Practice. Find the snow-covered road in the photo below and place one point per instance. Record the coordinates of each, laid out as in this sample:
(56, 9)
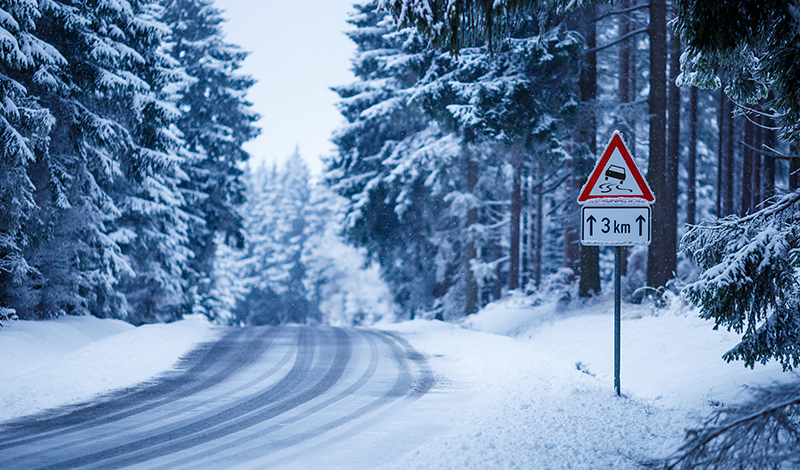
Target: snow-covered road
(260, 397)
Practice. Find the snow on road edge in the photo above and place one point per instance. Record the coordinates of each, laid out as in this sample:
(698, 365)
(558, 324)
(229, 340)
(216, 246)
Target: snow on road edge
(47, 364)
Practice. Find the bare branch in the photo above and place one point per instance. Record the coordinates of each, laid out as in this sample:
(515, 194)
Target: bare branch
(616, 41)
(622, 12)
(770, 152)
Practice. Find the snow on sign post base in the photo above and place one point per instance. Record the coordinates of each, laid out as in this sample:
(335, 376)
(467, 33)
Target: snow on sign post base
(615, 211)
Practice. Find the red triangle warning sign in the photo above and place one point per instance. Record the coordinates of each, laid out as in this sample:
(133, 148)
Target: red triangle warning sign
(616, 176)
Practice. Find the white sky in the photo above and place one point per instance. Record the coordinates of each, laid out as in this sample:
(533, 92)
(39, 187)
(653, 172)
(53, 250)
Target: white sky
(298, 51)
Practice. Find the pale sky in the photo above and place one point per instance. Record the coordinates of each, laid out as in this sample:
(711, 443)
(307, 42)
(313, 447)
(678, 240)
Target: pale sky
(298, 51)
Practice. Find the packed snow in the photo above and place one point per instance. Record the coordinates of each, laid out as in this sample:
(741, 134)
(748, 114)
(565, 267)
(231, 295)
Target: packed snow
(518, 385)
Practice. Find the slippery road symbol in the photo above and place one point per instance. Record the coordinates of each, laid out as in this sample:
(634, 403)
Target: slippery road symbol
(617, 175)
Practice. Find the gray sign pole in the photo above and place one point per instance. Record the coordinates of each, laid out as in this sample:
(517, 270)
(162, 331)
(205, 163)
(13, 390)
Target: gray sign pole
(617, 326)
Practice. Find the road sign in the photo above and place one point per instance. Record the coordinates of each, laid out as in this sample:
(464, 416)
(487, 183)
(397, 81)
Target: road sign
(615, 225)
(615, 210)
(616, 177)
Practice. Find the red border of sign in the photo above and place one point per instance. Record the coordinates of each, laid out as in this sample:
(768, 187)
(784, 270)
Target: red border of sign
(616, 143)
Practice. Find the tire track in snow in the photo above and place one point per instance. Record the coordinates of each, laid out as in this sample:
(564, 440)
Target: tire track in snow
(267, 404)
(200, 370)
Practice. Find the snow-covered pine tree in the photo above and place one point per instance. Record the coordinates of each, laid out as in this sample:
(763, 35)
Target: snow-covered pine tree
(261, 216)
(215, 121)
(154, 206)
(24, 130)
(296, 266)
(229, 287)
(518, 123)
(114, 155)
(427, 187)
(75, 246)
(340, 281)
(388, 221)
(288, 270)
(749, 280)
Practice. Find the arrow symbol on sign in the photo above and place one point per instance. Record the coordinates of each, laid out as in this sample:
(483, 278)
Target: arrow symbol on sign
(641, 221)
(591, 221)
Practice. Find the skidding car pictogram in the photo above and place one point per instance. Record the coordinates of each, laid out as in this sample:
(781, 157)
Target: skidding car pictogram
(616, 172)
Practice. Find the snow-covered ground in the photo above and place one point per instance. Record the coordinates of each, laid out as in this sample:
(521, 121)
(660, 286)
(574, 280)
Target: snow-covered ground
(518, 386)
(539, 382)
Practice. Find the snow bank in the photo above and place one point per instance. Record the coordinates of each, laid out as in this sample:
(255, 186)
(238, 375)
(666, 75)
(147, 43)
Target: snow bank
(70, 359)
(540, 385)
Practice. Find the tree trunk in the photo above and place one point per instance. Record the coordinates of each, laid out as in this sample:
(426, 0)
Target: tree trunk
(728, 206)
(590, 255)
(794, 169)
(691, 162)
(471, 286)
(757, 166)
(539, 234)
(626, 92)
(670, 206)
(748, 174)
(721, 160)
(768, 161)
(516, 209)
(661, 254)
(725, 157)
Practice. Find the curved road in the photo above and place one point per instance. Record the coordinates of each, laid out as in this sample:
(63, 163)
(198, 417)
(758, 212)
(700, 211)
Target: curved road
(257, 398)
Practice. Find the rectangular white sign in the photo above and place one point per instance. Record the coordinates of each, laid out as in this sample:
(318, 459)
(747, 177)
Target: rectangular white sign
(615, 225)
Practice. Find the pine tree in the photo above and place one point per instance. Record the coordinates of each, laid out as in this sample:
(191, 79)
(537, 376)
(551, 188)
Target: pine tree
(215, 121)
(748, 282)
(24, 130)
(384, 218)
(76, 250)
(116, 220)
(431, 196)
(296, 266)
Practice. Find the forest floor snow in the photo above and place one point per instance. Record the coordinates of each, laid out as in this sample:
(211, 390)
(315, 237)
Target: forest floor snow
(518, 385)
(540, 385)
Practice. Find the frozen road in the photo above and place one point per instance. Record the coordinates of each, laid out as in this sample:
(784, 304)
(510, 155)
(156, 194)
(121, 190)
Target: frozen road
(260, 397)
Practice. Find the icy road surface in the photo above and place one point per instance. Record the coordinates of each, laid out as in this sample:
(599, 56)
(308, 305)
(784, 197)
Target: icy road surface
(260, 397)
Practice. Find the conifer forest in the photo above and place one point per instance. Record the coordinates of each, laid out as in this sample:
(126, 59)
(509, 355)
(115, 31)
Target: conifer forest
(467, 134)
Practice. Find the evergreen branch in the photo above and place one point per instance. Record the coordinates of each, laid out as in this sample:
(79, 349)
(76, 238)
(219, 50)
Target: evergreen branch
(747, 109)
(750, 423)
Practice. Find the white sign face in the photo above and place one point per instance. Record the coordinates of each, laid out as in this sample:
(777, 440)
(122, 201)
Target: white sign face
(615, 225)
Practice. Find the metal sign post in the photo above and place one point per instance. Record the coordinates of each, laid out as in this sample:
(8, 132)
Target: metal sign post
(617, 315)
(615, 211)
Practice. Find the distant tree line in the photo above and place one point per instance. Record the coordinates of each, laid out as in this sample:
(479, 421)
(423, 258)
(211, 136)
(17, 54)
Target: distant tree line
(295, 266)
